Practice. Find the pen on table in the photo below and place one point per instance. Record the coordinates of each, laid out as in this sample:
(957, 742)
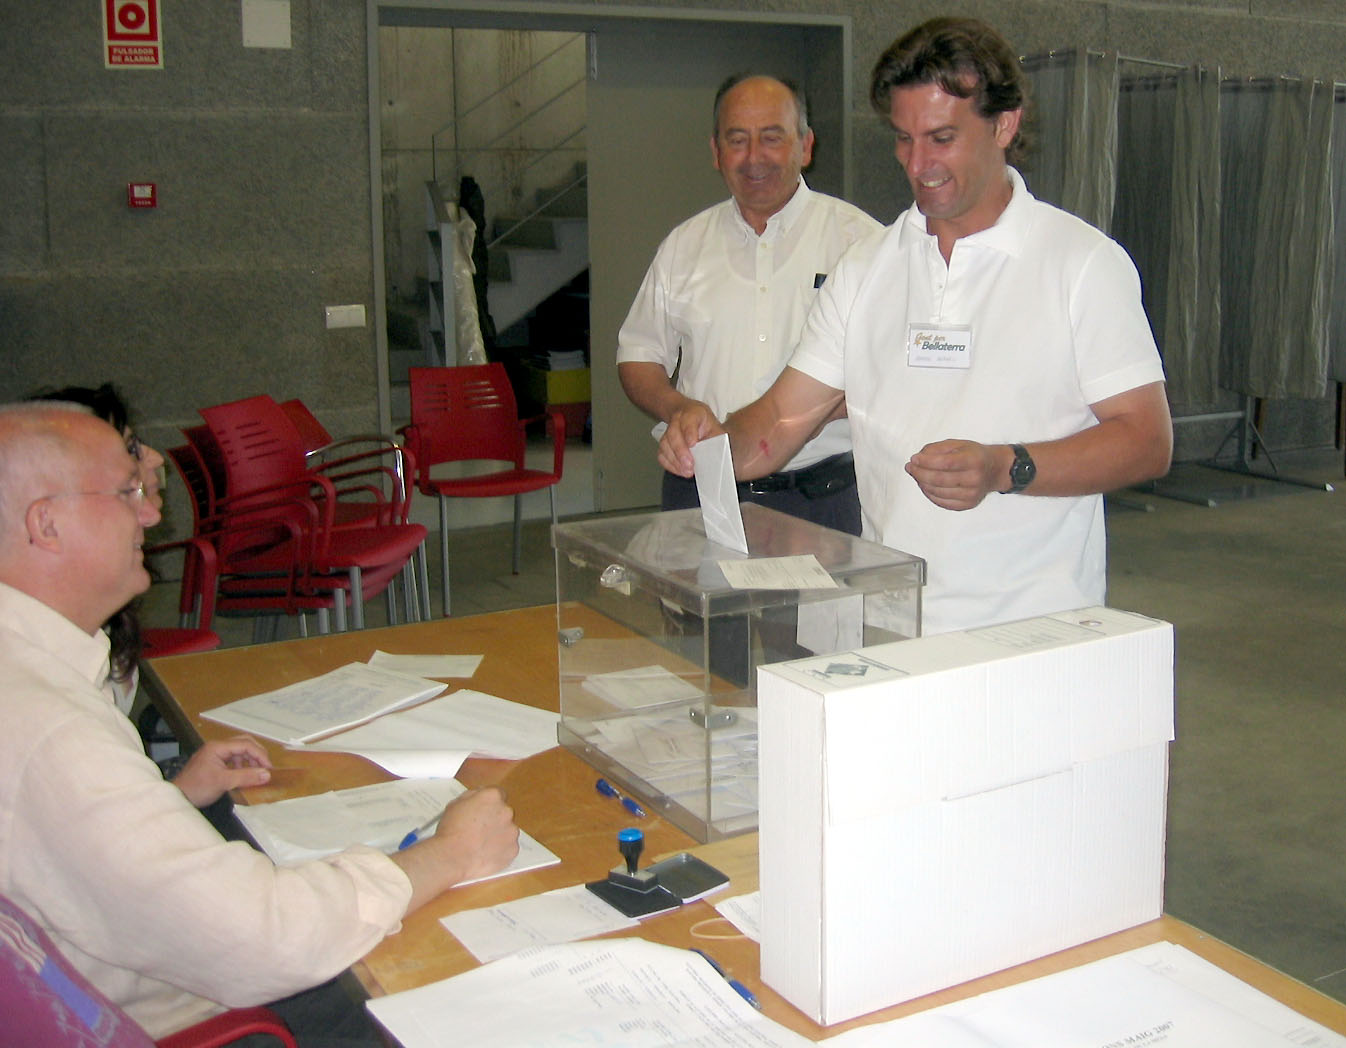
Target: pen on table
(608, 790)
(734, 984)
(420, 831)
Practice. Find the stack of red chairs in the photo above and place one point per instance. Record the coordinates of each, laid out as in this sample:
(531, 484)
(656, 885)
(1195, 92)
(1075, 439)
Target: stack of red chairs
(296, 527)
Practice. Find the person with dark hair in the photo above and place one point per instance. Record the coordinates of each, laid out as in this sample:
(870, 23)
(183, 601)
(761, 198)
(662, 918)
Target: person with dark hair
(991, 351)
(725, 298)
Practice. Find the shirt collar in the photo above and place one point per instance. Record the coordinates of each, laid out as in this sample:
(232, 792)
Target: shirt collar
(778, 225)
(51, 632)
(1006, 234)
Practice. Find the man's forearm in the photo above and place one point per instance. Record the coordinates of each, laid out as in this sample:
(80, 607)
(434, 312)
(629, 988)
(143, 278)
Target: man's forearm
(649, 388)
(768, 433)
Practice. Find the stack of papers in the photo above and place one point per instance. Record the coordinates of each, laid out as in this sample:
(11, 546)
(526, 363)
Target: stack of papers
(1157, 995)
(666, 749)
(351, 695)
(619, 993)
(380, 816)
(436, 737)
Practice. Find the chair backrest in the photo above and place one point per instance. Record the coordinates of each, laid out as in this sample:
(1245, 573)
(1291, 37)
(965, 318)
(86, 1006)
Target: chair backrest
(45, 1000)
(259, 444)
(196, 479)
(463, 413)
(312, 433)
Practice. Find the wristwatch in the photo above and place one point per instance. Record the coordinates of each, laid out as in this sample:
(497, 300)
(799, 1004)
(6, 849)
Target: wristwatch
(1022, 469)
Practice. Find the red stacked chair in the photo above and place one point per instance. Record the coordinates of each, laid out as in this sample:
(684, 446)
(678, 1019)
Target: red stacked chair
(461, 414)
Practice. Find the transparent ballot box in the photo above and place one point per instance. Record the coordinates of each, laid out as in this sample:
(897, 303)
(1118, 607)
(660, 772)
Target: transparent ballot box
(658, 653)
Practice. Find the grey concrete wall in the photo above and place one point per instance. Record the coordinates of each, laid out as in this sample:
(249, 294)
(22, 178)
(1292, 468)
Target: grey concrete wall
(261, 160)
(261, 157)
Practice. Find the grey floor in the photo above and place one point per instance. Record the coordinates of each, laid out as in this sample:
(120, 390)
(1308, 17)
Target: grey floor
(1256, 587)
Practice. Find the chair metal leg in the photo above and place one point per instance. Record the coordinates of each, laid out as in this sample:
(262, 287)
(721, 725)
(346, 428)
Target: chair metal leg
(324, 622)
(390, 598)
(410, 601)
(303, 624)
(357, 601)
(444, 550)
(423, 580)
(339, 611)
(518, 530)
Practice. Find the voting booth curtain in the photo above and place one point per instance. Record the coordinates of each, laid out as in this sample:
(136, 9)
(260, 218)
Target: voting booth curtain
(1223, 193)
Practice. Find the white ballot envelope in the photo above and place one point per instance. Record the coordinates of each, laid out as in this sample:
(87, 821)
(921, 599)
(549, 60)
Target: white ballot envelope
(715, 486)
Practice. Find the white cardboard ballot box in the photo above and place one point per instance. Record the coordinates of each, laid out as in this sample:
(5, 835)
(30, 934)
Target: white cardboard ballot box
(944, 807)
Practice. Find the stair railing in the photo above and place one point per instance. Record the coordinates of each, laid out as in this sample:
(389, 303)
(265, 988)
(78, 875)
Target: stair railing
(514, 188)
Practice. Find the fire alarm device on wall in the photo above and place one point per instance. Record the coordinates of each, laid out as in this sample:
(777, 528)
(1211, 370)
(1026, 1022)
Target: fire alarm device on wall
(142, 194)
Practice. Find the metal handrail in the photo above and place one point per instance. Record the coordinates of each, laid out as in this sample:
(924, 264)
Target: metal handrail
(514, 188)
(581, 180)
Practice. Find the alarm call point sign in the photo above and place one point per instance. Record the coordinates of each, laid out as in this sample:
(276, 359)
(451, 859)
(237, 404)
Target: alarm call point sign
(132, 35)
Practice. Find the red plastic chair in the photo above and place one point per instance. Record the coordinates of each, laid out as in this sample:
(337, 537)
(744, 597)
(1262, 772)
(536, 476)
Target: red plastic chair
(267, 478)
(45, 1000)
(468, 413)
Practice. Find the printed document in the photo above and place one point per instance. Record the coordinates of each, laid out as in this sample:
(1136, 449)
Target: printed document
(1161, 995)
(614, 993)
(380, 816)
(427, 665)
(424, 741)
(347, 696)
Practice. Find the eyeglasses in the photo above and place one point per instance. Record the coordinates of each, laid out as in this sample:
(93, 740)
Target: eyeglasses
(133, 446)
(134, 496)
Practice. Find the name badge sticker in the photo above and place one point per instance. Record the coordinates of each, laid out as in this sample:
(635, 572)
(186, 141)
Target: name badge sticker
(939, 346)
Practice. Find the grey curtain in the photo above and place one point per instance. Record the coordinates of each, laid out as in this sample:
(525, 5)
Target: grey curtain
(1277, 248)
(1189, 332)
(1075, 162)
(1142, 218)
(1337, 319)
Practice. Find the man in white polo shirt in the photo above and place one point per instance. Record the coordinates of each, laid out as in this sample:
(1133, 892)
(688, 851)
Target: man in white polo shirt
(726, 296)
(991, 351)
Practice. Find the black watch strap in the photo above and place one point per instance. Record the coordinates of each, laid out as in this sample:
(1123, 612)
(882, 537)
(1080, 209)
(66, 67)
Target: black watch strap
(1022, 469)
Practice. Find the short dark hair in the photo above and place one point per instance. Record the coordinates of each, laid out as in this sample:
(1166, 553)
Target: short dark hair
(966, 58)
(732, 81)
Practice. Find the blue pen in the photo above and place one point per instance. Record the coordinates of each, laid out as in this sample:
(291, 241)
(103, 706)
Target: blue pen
(416, 834)
(734, 984)
(608, 790)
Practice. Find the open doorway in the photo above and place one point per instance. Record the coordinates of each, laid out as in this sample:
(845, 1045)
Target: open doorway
(649, 80)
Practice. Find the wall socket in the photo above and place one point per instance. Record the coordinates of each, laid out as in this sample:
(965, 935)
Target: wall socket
(346, 316)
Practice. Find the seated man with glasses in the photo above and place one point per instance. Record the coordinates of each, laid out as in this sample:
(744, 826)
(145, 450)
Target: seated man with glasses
(138, 891)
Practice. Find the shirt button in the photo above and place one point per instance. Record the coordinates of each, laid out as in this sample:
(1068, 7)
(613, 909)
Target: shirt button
(761, 338)
(762, 289)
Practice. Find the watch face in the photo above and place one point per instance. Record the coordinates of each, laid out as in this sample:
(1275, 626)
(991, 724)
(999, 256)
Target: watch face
(1023, 470)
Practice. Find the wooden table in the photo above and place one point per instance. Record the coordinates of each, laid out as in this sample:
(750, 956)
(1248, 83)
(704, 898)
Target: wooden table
(554, 799)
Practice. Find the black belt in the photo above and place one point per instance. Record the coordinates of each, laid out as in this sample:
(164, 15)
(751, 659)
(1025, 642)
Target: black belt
(813, 482)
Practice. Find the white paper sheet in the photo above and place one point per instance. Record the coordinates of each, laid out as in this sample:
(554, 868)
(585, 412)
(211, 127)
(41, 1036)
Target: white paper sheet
(563, 915)
(350, 695)
(380, 816)
(720, 514)
(1160, 995)
(461, 723)
(825, 626)
(643, 686)
(801, 572)
(744, 912)
(618, 993)
(428, 665)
